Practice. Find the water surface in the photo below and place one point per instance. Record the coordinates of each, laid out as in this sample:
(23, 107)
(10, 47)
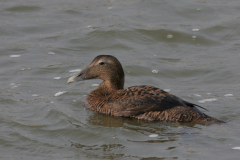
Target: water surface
(191, 48)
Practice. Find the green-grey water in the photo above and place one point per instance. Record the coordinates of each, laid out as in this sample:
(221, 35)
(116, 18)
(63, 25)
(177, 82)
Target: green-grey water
(190, 48)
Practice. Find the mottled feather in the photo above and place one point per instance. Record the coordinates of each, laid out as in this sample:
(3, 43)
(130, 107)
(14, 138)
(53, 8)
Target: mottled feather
(142, 102)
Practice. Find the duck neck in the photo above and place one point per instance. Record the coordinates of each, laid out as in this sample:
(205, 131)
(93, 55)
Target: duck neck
(110, 87)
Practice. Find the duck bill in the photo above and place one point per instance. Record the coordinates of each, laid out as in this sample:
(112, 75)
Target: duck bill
(76, 77)
(71, 79)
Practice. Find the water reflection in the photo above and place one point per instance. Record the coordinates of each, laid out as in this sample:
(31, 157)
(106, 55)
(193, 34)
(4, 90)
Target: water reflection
(130, 132)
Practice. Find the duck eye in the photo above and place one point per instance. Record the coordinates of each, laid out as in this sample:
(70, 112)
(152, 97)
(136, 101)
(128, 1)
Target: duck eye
(101, 63)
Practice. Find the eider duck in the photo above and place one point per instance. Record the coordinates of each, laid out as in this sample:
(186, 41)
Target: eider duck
(142, 102)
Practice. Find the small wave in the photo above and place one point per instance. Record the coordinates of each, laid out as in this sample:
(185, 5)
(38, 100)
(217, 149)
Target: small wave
(153, 135)
(195, 30)
(207, 100)
(238, 148)
(228, 95)
(14, 56)
(75, 70)
(197, 95)
(59, 93)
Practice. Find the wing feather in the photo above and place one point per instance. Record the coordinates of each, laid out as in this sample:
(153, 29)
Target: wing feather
(140, 99)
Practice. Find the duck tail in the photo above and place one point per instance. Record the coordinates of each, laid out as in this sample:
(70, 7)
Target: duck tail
(194, 105)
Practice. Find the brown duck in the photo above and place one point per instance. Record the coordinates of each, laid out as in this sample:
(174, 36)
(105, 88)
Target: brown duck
(141, 102)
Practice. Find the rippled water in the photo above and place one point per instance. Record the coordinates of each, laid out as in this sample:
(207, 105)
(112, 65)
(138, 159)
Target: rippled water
(190, 48)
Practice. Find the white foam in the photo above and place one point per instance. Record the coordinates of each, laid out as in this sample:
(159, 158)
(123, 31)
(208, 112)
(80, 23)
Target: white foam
(153, 135)
(110, 7)
(228, 95)
(195, 30)
(194, 37)
(13, 56)
(95, 85)
(75, 70)
(57, 77)
(238, 148)
(207, 100)
(154, 71)
(209, 93)
(13, 85)
(60, 93)
(51, 53)
(202, 101)
(34, 95)
(169, 36)
(167, 90)
(197, 95)
(89, 26)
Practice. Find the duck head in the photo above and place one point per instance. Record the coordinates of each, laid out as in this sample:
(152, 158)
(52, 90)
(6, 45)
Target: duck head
(105, 67)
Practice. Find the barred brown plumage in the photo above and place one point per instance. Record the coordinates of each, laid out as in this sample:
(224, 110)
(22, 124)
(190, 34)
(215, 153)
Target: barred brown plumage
(142, 102)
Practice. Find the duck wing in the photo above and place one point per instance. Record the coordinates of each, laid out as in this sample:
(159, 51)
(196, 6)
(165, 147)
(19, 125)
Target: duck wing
(140, 99)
